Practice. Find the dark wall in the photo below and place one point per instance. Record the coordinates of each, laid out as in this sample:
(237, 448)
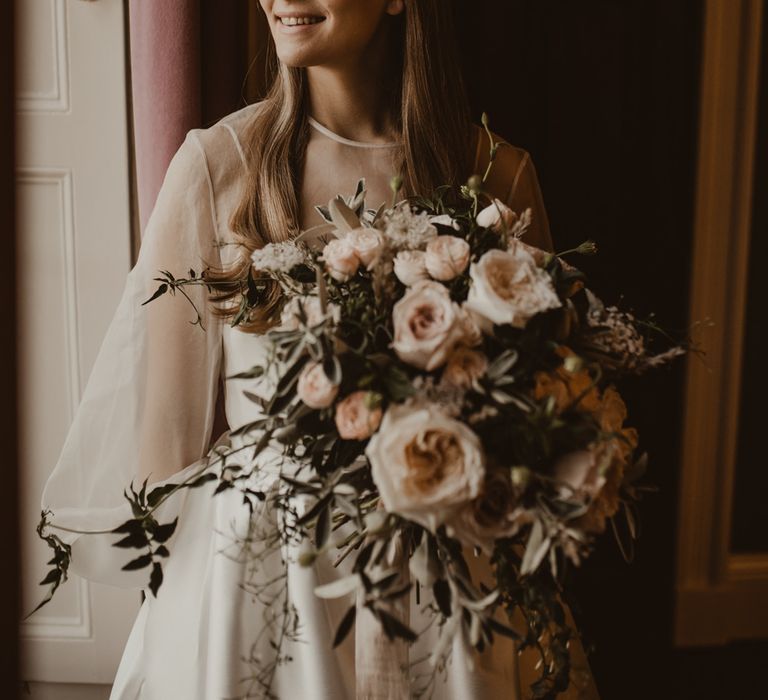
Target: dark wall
(604, 95)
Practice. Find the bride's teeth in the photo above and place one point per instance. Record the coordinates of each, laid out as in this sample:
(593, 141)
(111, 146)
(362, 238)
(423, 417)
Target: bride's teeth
(292, 21)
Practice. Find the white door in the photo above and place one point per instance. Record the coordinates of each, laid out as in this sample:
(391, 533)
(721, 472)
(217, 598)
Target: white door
(74, 254)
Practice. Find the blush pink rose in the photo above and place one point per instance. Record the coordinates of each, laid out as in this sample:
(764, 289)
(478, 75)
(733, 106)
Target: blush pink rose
(446, 257)
(367, 244)
(355, 419)
(341, 259)
(428, 325)
(314, 388)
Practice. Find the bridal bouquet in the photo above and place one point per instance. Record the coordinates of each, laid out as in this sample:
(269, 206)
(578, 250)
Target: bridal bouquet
(441, 393)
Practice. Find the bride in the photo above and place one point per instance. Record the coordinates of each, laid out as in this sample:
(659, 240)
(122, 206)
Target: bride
(362, 88)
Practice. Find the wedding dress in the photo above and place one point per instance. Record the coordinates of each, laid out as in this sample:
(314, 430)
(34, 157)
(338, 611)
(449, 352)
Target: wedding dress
(151, 400)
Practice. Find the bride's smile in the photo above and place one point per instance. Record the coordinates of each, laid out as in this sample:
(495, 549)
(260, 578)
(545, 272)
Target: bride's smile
(327, 32)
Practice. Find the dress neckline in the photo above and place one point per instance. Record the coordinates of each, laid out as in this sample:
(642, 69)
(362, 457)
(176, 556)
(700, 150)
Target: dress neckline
(348, 142)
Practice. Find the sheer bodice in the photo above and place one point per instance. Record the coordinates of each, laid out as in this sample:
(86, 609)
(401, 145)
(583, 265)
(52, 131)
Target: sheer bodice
(150, 401)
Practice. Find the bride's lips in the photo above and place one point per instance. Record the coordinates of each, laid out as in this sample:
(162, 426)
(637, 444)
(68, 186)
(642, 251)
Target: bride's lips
(292, 22)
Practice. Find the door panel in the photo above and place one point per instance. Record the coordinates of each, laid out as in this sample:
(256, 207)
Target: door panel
(73, 255)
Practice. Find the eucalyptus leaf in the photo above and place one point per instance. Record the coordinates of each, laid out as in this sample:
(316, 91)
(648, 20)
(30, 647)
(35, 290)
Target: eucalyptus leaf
(535, 549)
(138, 563)
(344, 626)
(338, 588)
(156, 578)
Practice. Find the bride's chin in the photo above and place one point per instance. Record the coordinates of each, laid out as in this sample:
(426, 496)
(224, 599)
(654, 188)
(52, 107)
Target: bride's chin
(298, 58)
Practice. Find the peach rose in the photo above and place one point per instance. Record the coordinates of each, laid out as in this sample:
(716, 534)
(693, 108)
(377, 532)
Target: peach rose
(355, 419)
(508, 288)
(341, 259)
(410, 266)
(496, 216)
(314, 388)
(446, 257)
(425, 464)
(428, 325)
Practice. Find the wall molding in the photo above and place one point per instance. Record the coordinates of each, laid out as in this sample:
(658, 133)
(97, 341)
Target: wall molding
(77, 625)
(57, 98)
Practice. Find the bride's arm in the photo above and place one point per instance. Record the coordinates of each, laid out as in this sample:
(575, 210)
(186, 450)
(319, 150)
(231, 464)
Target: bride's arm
(525, 192)
(513, 179)
(182, 359)
(148, 406)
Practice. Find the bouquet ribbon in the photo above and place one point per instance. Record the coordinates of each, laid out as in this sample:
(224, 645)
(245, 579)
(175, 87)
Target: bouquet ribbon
(381, 663)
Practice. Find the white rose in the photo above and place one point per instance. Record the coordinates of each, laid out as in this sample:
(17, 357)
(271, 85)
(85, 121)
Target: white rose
(496, 216)
(428, 325)
(446, 257)
(410, 266)
(367, 244)
(341, 259)
(425, 464)
(507, 287)
(314, 388)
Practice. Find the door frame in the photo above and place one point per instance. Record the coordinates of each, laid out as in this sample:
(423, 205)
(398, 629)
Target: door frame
(720, 595)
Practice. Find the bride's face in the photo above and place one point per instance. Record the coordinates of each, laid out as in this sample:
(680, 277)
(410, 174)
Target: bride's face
(325, 32)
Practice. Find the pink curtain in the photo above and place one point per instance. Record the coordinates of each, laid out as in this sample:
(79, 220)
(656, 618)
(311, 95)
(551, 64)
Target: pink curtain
(189, 60)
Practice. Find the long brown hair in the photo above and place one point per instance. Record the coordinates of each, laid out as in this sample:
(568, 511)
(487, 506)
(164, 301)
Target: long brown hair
(428, 105)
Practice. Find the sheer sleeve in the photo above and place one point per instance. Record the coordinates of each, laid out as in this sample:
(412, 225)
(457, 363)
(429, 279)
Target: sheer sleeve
(525, 192)
(148, 406)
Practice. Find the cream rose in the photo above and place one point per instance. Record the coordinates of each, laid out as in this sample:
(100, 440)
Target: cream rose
(464, 367)
(410, 267)
(314, 388)
(341, 259)
(355, 419)
(496, 216)
(428, 325)
(425, 464)
(446, 257)
(367, 244)
(539, 256)
(507, 287)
